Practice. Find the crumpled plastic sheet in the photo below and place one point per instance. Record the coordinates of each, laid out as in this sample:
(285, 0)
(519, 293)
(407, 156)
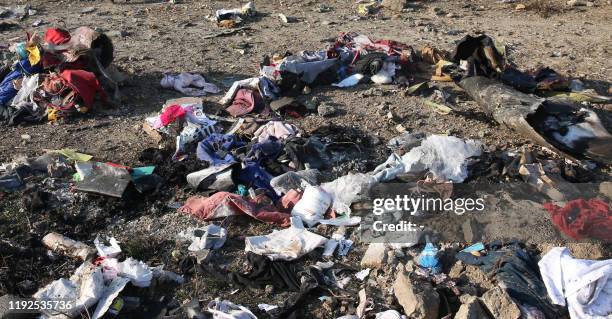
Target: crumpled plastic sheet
(228, 310)
(208, 237)
(297, 180)
(24, 95)
(107, 251)
(287, 244)
(85, 286)
(348, 189)
(445, 156)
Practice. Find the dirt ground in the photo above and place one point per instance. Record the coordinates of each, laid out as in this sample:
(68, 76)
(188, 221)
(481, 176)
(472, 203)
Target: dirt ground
(151, 38)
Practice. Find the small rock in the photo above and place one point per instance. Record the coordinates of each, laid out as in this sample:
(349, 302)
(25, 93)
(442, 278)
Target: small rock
(26, 137)
(375, 256)
(307, 90)
(382, 106)
(451, 15)
(556, 54)
(500, 305)
(400, 128)
(284, 18)
(409, 266)
(117, 33)
(311, 105)
(394, 5)
(392, 116)
(590, 4)
(471, 310)
(520, 6)
(88, 10)
(605, 188)
(419, 299)
(576, 3)
(454, 32)
(269, 289)
(325, 110)
(456, 270)
(326, 22)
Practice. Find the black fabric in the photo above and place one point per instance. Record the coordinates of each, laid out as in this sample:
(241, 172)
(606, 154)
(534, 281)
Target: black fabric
(291, 84)
(370, 63)
(481, 54)
(327, 77)
(281, 274)
(517, 270)
(519, 80)
(302, 151)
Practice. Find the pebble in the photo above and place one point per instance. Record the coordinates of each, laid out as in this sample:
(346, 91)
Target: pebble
(88, 10)
(325, 110)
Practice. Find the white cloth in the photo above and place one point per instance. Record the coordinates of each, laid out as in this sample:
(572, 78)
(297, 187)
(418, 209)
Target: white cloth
(287, 244)
(277, 129)
(188, 84)
(228, 310)
(584, 285)
(24, 95)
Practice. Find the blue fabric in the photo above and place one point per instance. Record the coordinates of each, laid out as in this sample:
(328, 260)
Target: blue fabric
(255, 176)
(21, 68)
(269, 149)
(268, 89)
(215, 149)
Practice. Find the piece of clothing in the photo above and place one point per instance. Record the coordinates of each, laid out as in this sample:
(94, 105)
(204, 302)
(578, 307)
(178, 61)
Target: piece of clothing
(171, 114)
(215, 149)
(85, 84)
(20, 69)
(308, 71)
(252, 175)
(277, 129)
(516, 270)
(189, 84)
(584, 285)
(370, 64)
(57, 36)
(224, 204)
(281, 274)
(247, 101)
(250, 83)
(306, 153)
(582, 218)
(287, 244)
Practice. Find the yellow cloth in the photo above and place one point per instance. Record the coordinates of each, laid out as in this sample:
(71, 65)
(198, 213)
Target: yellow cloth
(33, 54)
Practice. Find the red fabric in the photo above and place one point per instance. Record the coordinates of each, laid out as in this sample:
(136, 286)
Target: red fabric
(171, 113)
(85, 84)
(247, 101)
(583, 219)
(223, 204)
(57, 36)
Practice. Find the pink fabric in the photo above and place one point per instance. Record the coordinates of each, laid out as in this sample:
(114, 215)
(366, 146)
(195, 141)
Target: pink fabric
(171, 114)
(223, 204)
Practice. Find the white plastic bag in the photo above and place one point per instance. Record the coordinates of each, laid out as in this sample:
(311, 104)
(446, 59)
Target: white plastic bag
(348, 189)
(312, 206)
(445, 156)
(287, 244)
